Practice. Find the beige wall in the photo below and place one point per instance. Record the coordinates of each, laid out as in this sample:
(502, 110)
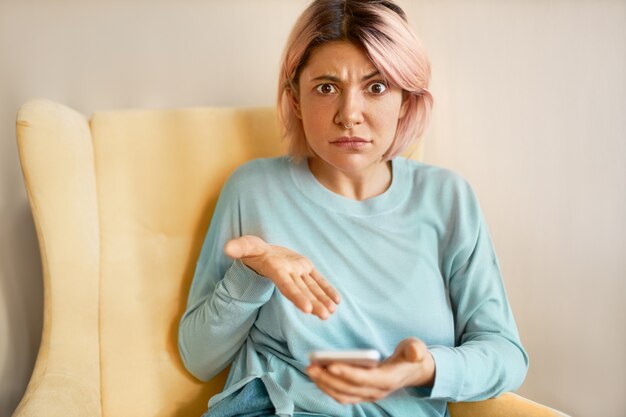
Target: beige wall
(530, 101)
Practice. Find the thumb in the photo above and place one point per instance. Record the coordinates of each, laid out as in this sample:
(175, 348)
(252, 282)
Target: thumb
(413, 350)
(245, 246)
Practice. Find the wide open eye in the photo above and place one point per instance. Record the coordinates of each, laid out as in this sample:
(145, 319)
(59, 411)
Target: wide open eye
(326, 89)
(377, 88)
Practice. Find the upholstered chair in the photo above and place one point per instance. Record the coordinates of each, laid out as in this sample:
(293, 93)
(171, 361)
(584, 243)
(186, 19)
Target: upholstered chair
(121, 203)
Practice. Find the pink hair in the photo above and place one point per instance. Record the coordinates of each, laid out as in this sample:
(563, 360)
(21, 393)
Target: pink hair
(380, 27)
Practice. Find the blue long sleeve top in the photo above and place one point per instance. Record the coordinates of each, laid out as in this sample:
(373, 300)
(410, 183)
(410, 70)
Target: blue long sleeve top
(415, 261)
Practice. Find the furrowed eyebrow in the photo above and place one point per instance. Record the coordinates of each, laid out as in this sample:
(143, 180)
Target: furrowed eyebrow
(326, 78)
(336, 79)
(370, 75)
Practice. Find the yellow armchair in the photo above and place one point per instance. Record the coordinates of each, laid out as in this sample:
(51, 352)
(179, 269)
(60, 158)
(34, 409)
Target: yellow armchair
(121, 204)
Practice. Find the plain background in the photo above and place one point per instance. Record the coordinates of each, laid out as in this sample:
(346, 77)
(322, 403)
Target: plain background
(530, 108)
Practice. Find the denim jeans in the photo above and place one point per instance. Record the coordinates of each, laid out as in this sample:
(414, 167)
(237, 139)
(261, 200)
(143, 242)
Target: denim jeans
(250, 401)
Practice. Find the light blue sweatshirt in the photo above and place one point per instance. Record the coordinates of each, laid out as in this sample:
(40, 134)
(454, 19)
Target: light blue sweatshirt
(416, 261)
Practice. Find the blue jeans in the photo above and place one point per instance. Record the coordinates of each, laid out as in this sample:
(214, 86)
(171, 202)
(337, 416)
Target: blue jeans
(250, 401)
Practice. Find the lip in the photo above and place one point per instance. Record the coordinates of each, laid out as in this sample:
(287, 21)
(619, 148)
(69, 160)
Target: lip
(352, 142)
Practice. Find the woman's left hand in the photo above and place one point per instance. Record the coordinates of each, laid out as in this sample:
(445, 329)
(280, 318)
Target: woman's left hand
(410, 365)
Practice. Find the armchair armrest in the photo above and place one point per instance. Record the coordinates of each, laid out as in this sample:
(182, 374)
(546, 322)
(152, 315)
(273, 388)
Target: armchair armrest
(60, 395)
(507, 405)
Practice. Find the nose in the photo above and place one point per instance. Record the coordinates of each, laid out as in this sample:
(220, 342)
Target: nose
(350, 111)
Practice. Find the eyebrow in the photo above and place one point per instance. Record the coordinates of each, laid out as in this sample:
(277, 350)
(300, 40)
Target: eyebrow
(336, 79)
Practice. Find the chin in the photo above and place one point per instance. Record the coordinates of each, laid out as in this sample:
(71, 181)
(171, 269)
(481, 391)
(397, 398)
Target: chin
(351, 162)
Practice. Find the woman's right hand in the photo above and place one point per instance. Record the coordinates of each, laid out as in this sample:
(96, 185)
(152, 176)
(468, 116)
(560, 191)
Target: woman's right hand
(294, 275)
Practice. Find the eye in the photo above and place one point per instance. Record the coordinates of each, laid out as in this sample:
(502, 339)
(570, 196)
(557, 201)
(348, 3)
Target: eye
(326, 89)
(377, 88)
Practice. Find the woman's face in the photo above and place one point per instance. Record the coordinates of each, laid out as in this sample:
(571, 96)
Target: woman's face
(348, 112)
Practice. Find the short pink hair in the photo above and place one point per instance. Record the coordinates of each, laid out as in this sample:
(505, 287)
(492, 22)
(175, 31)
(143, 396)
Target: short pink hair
(381, 29)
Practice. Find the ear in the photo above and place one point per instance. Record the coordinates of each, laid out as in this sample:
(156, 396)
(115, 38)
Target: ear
(294, 102)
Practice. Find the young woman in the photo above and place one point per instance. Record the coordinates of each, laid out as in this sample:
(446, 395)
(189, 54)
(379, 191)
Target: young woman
(343, 244)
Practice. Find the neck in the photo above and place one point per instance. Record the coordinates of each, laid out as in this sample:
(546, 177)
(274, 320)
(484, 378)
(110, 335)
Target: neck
(359, 186)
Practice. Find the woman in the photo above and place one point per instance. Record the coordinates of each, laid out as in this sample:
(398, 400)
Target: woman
(344, 244)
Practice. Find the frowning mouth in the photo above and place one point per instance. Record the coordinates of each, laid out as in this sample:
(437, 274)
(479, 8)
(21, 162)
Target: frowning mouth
(352, 142)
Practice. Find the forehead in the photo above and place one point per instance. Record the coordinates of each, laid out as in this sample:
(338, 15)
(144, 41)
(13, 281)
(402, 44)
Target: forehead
(339, 58)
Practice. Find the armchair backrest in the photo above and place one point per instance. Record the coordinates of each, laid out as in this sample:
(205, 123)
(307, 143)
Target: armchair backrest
(158, 176)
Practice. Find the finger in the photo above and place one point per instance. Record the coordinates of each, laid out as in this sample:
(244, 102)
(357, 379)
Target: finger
(319, 309)
(354, 387)
(377, 379)
(245, 246)
(319, 294)
(339, 396)
(293, 293)
(320, 377)
(416, 351)
(332, 293)
(412, 349)
(349, 393)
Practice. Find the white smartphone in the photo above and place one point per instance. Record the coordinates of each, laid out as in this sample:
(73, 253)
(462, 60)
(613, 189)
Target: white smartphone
(367, 358)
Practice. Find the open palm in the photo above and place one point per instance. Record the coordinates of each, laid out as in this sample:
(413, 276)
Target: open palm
(294, 275)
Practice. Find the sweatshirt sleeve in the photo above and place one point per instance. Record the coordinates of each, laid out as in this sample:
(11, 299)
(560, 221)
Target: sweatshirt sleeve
(224, 298)
(488, 358)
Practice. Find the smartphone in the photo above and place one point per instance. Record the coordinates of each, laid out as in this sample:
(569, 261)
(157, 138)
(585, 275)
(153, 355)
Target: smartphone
(367, 358)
